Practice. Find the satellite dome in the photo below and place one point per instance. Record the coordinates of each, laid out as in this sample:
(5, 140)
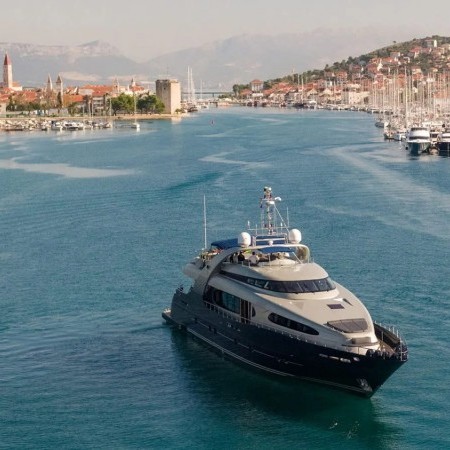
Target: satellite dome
(295, 236)
(244, 239)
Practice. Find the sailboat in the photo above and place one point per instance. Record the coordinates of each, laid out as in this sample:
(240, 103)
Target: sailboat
(191, 104)
(135, 125)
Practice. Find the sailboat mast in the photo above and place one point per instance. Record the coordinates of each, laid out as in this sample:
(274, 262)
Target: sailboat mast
(204, 222)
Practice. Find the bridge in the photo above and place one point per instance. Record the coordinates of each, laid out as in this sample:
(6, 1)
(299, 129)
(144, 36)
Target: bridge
(205, 94)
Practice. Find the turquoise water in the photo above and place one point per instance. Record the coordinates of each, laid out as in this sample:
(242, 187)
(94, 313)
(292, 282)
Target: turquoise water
(96, 226)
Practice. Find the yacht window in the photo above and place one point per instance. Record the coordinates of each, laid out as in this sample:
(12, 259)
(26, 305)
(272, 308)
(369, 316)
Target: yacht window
(295, 287)
(228, 301)
(349, 325)
(291, 324)
(260, 283)
(322, 285)
(335, 306)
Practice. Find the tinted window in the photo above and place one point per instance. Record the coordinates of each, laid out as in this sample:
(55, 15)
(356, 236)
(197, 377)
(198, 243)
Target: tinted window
(292, 324)
(295, 287)
(226, 301)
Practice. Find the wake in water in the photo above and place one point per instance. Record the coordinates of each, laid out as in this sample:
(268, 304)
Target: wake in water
(408, 202)
(65, 170)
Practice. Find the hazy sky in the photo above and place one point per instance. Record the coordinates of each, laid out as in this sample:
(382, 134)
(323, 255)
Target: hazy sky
(143, 29)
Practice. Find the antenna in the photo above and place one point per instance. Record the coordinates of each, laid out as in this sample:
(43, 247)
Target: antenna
(204, 220)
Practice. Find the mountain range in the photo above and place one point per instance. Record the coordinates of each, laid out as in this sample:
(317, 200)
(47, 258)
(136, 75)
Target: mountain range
(215, 66)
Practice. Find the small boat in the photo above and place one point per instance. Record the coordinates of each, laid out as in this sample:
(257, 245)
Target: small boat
(381, 123)
(399, 134)
(192, 108)
(56, 125)
(418, 140)
(388, 134)
(73, 126)
(261, 300)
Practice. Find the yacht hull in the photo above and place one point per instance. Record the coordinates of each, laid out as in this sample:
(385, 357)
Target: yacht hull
(417, 148)
(444, 148)
(279, 353)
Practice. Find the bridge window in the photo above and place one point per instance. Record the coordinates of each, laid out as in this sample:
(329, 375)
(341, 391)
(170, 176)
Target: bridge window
(294, 287)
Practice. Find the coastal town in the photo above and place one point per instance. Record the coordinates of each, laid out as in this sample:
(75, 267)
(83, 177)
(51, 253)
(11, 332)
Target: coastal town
(398, 88)
(56, 105)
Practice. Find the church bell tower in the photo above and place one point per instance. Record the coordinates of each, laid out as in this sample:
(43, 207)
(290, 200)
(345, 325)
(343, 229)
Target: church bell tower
(7, 73)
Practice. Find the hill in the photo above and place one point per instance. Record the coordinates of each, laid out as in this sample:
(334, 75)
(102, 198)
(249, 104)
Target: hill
(413, 55)
(217, 65)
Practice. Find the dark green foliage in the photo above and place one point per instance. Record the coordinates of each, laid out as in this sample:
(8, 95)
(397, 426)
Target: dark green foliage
(149, 104)
(122, 104)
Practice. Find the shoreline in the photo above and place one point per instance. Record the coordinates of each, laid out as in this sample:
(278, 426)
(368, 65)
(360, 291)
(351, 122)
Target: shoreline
(35, 117)
(33, 122)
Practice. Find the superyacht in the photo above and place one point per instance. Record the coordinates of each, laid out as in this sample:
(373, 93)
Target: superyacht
(260, 299)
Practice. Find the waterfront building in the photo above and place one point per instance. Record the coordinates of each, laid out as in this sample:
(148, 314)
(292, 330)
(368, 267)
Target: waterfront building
(169, 92)
(256, 85)
(353, 95)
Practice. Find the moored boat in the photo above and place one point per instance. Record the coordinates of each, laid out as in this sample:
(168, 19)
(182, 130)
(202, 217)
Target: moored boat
(381, 123)
(443, 143)
(260, 299)
(399, 134)
(56, 125)
(418, 140)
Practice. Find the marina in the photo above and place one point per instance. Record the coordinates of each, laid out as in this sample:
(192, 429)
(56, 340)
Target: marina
(97, 227)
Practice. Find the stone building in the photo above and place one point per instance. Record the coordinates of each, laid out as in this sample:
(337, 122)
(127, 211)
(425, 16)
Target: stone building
(7, 73)
(169, 92)
(7, 82)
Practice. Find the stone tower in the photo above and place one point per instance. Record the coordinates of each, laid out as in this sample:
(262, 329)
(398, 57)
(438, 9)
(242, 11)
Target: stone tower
(59, 89)
(116, 86)
(49, 84)
(169, 92)
(7, 73)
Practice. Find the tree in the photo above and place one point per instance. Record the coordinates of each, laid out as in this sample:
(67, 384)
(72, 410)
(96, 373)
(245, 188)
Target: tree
(11, 104)
(123, 103)
(59, 102)
(238, 88)
(150, 104)
(73, 109)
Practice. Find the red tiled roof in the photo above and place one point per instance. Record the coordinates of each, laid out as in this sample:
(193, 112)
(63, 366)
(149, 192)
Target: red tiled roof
(74, 98)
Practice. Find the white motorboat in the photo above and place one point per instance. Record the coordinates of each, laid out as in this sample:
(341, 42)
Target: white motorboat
(418, 140)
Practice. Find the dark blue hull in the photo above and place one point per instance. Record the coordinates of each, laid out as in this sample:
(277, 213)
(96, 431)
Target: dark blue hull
(417, 148)
(280, 353)
(444, 148)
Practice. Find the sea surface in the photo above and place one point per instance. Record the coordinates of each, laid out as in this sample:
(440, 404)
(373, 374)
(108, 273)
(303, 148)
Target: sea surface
(96, 226)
